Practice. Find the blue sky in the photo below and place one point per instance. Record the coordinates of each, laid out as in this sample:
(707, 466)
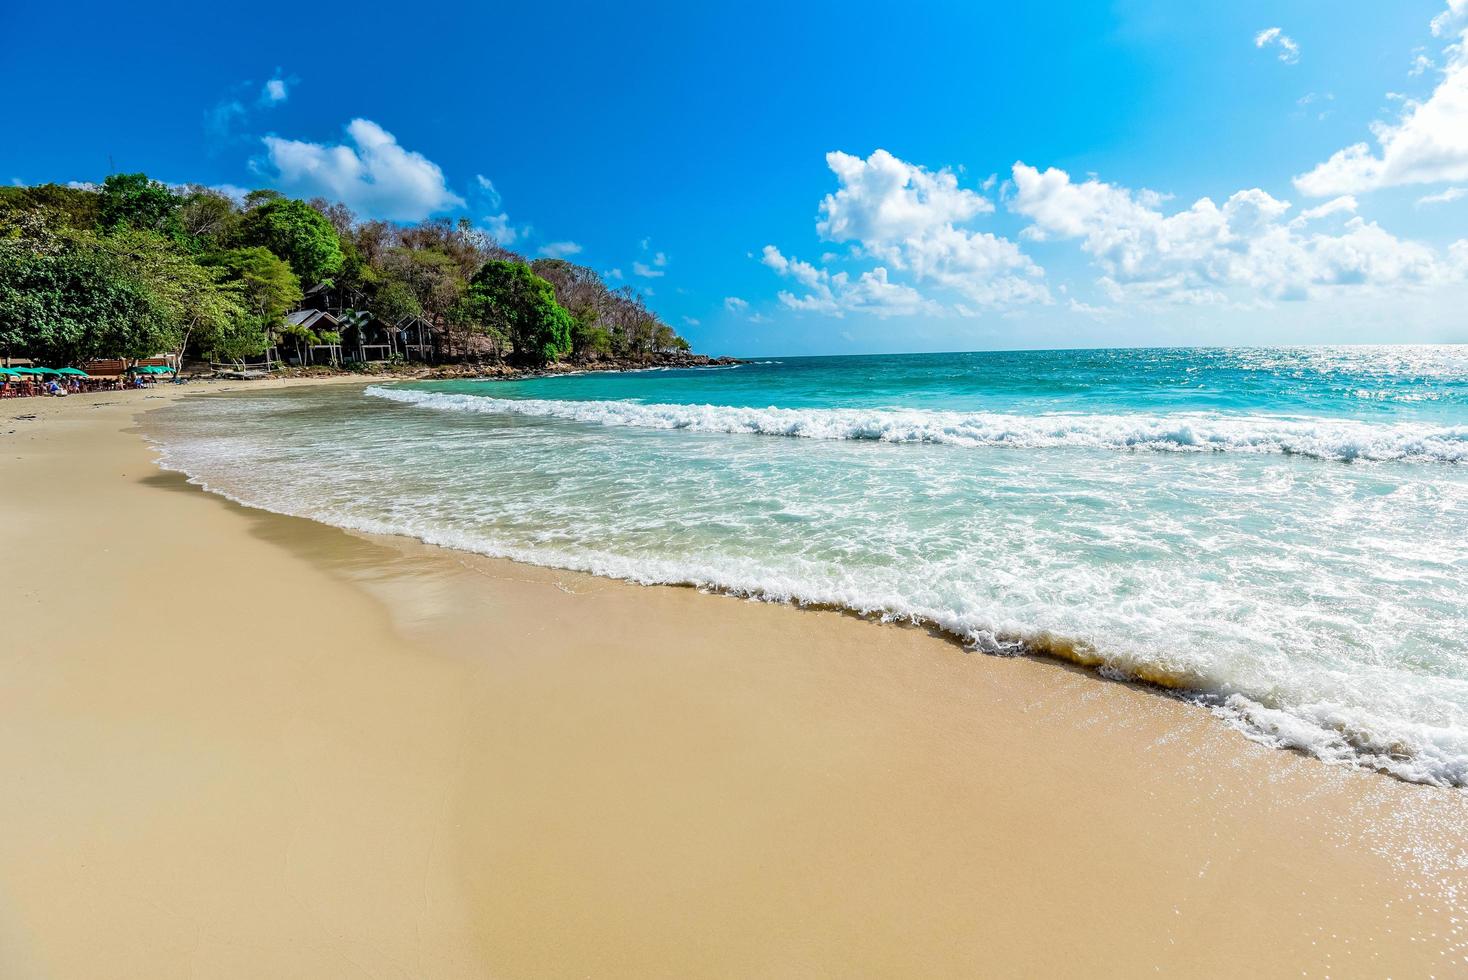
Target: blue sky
(838, 177)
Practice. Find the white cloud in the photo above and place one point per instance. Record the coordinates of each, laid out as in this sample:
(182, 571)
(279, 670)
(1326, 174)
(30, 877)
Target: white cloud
(1427, 144)
(559, 250)
(883, 199)
(735, 305)
(1102, 313)
(1345, 204)
(614, 273)
(1207, 252)
(234, 192)
(660, 259)
(1289, 51)
(1444, 23)
(691, 322)
(1420, 64)
(374, 176)
(499, 226)
(646, 271)
(1443, 197)
(907, 217)
(871, 292)
(274, 92)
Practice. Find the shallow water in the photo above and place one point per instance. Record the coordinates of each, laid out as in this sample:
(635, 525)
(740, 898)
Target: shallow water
(1283, 533)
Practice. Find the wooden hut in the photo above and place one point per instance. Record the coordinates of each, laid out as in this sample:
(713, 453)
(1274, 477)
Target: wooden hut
(366, 338)
(416, 339)
(317, 323)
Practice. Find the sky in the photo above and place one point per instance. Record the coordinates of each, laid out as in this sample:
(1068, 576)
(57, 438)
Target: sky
(831, 178)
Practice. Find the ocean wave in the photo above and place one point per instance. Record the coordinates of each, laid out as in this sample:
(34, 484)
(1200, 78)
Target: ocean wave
(1342, 440)
(1333, 732)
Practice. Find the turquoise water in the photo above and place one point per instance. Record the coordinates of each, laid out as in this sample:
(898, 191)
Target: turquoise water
(1283, 534)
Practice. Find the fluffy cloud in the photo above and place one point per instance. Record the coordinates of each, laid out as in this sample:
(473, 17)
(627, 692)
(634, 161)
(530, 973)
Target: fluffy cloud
(1200, 253)
(559, 250)
(883, 199)
(646, 271)
(837, 294)
(1442, 197)
(374, 175)
(274, 92)
(735, 305)
(909, 219)
(1289, 51)
(1427, 144)
(500, 228)
(1444, 23)
(1345, 204)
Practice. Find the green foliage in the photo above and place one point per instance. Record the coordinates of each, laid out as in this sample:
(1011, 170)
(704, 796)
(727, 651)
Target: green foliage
(241, 339)
(394, 299)
(60, 206)
(67, 299)
(607, 322)
(134, 268)
(509, 296)
(588, 338)
(268, 287)
(298, 233)
(135, 201)
(207, 219)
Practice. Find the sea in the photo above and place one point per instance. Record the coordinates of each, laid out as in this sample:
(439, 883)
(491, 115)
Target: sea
(1279, 534)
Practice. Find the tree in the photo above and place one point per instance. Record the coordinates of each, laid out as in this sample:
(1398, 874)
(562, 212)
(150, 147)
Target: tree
(394, 300)
(135, 201)
(186, 298)
(511, 297)
(298, 233)
(268, 287)
(61, 206)
(589, 339)
(433, 281)
(65, 299)
(206, 218)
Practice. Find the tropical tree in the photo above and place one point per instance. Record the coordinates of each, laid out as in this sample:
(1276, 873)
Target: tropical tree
(206, 218)
(298, 233)
(268, 287)
(507, 295)
(59, 205)
(186, 298)
(426, 282)
(135, 201)
(66, 299)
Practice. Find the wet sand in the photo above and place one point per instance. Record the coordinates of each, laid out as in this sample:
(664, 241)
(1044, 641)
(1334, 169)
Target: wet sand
(236, 744)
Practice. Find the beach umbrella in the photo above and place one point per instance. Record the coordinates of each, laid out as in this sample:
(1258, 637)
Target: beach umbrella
(73, 372)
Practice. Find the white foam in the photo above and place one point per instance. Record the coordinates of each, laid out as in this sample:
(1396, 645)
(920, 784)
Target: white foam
(1312, 610)
(1331, 439)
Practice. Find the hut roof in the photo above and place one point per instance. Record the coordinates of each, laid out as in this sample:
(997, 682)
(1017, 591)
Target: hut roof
(310, 318)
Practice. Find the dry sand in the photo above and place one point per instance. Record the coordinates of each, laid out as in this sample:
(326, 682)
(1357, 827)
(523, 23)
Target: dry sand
(235, 744)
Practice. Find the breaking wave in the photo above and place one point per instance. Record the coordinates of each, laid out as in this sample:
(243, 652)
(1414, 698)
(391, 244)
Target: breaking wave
(1342, 440)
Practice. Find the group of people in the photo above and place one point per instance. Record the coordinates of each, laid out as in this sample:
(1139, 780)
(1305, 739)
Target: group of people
(12, 386)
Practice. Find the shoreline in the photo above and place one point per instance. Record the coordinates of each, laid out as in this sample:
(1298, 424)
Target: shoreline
(474, 766)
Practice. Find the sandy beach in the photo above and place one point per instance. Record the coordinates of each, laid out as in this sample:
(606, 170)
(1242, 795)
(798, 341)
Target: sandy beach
(238, 744)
